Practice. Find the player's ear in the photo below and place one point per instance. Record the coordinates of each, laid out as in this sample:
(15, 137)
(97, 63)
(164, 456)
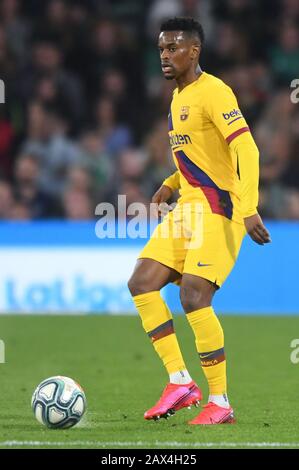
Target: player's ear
(195, 52)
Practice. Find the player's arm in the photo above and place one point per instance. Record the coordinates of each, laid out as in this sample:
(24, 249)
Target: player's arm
(223, 109)
(247, 157)
(168, 186)
(173, 181)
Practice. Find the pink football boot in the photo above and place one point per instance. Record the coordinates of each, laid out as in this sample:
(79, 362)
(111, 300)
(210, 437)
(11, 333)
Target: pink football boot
(214, 414)
(175, 397)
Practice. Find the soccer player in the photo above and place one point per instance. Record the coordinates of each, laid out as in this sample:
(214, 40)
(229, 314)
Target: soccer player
(217, 170)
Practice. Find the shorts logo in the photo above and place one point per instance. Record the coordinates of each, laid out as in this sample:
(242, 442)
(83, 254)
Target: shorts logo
(184, 113)
(231, 114)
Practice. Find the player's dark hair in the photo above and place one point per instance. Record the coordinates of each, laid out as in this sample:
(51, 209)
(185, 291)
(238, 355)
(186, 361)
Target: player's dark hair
(188, 25)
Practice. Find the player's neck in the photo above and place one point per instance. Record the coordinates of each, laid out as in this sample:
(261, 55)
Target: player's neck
(188, 78)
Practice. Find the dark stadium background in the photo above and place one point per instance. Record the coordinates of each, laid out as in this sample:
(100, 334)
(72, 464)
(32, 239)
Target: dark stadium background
(86, 104)
(85, 119)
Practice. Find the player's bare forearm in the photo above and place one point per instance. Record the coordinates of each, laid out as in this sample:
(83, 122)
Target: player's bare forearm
(163, 194)
(256, 229)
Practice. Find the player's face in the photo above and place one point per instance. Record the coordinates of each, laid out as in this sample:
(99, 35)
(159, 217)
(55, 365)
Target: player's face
(177, 53)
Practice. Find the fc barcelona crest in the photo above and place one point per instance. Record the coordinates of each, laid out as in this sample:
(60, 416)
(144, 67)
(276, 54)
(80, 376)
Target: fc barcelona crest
(184, 112)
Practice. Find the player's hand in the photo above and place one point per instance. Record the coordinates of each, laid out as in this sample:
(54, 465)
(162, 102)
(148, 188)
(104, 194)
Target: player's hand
(256, 229)
(163, 194)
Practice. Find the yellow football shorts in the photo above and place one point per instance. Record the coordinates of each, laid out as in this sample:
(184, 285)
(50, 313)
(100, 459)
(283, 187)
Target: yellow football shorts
(193, 242)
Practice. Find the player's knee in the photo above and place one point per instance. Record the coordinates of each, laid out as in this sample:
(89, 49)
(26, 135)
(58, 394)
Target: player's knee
(134, 286)
(194, 299)
(137, 286)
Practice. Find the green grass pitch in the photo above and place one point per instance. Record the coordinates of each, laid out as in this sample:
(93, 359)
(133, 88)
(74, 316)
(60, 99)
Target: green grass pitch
(113, 360)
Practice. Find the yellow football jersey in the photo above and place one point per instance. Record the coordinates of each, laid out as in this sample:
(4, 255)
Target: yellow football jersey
(204, 119)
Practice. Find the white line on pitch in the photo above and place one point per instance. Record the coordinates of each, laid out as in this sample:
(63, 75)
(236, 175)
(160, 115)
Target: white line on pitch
(174, 444)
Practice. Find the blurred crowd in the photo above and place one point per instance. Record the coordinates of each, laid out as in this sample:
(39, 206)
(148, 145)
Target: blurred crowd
(85, 117)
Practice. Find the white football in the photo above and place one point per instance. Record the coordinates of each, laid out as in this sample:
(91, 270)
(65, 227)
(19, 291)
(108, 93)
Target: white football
(58, 402)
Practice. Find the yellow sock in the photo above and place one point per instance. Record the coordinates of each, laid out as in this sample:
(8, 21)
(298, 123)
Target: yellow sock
(209, 341)
(158, 324)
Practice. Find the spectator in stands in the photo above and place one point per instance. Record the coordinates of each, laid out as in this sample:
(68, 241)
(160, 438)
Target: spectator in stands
(28, 192)
(17, 29)
(116, 136)
(6, 145)
(20, 211)
(48, 141)
(6, 200)
(96, 159)
(160, 163)
(129, 169)
(77, 205)
(47, 61)
(285, 55)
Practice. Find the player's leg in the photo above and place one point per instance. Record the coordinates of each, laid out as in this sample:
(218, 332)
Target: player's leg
(148, 278)
(196, 297)
(205, 269)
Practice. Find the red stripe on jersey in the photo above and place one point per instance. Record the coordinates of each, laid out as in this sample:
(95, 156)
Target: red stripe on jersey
(235, 134)
(211, 194)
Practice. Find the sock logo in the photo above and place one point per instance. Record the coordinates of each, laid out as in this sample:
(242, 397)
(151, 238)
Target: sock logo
(212, 358)
(203, 356)
(213, 362)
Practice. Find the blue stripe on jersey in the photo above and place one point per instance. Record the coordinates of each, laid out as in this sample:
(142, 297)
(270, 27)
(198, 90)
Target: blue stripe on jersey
(224, 199)
(170, 123)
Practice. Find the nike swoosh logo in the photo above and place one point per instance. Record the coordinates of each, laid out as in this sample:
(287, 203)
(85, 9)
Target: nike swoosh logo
(206, 355)
(202, 264)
